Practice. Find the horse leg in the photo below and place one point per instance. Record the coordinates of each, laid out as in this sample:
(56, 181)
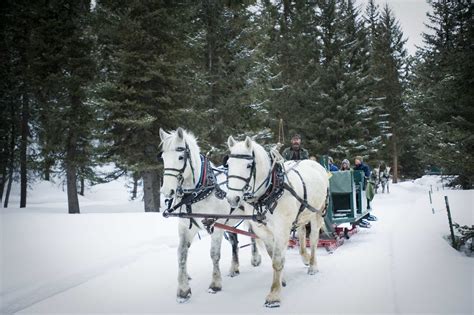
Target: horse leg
(278, 262)
(234, 267)
(256, 258)
(216, 242)
(186, 236)
(301, 230)
(317, 222)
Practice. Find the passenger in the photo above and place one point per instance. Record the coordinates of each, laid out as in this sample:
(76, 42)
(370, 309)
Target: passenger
(346, 165)
(296, 151)
(332, 166)
(361, 166)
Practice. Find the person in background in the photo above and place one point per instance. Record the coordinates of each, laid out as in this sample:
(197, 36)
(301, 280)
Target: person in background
(332, 166)
(346, 165)
(361, 166)
(295, 152)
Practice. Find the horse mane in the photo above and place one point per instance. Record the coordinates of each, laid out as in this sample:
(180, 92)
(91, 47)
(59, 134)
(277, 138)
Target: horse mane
(260, 152)
(170, 142)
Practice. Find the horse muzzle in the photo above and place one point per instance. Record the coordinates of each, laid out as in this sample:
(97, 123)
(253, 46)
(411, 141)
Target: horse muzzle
(234, 201)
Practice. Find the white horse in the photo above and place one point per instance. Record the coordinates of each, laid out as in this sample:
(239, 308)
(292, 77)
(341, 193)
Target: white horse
(249, 170)
(384, 179)
(375, 178)
(184, 169)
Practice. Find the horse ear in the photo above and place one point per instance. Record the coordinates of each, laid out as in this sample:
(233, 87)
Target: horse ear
(180, 133)
(230, 142)
(163, 134)
(248, 143)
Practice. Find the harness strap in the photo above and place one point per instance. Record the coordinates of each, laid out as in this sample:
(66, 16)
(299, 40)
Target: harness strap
(301, 200)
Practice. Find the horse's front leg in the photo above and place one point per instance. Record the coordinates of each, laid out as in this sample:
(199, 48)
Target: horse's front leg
(186, 236)
(216, 242)
(256, 258)
(278, 262)
(234, 267)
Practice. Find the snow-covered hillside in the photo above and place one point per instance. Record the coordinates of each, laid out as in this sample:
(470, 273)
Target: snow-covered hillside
(114, 258)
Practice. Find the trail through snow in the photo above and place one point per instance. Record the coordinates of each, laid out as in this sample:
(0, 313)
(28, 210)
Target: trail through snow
(115, 259)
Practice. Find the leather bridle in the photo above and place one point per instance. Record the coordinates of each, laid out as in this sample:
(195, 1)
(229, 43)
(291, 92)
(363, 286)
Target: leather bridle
(246, 180)
(180, 171)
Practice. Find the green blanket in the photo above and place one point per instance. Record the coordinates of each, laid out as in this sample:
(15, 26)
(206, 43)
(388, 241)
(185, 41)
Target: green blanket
(370, 192)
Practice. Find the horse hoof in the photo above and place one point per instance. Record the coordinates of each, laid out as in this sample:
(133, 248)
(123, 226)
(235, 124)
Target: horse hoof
(312, 271)
(256, 261)
(283, 283)
(214, 290)
(234, 273)
(305, 258)
(183, 296)
(272, 304)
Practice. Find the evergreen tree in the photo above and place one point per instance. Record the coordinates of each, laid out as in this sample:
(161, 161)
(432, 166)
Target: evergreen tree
(293, 68)
(443, 86)
(16, 31)
(344, 89)
(372, 112)
(232, 37)
(390, 57)
(148, 81)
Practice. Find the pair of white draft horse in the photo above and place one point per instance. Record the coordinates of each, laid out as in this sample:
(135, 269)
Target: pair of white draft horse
(249, 169)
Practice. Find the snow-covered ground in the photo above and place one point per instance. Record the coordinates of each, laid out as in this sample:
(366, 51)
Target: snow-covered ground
(114, 258)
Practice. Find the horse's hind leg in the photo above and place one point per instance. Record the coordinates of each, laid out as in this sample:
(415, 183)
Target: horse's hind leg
(256, 258)
(316, 224)
(234, 267)
(301, 230)
(216, 242)
(185, 238)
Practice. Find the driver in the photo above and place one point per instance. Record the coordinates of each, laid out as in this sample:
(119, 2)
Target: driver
(295, 151)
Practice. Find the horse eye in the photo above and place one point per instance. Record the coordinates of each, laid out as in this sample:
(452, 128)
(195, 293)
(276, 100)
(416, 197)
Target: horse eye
(181, 158)
(249, 166)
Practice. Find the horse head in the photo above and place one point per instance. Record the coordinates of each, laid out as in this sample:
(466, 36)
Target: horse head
(247, 169)
(181, 159)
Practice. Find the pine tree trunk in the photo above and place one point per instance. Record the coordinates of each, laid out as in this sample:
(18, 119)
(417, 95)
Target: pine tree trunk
(10, 166)
(48, 164)
(149, 186)
(10, 159)
(2, 181)
(147, 191)
(135, 185)
(9, 187)
(81, 192)
(395, 159)
(23, 148)
(156, 190)
(71, 168)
